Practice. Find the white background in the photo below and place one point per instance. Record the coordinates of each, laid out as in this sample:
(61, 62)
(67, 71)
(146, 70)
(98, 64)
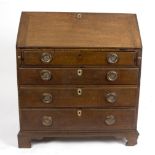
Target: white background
(10, 11)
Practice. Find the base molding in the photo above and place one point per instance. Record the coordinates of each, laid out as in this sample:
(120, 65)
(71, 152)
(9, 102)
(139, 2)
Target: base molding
(26, 137)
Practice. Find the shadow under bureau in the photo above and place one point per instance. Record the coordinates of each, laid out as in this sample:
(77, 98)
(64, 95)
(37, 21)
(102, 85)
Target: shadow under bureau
(78, 75)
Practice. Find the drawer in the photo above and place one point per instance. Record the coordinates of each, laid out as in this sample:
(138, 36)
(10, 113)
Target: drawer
(77, 57)
(77, 119)
(78, 76)
(82, 96)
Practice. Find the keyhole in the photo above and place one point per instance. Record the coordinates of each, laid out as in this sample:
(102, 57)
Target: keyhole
(79, 15)
(79, 72)
(79, 113)
(79, 91)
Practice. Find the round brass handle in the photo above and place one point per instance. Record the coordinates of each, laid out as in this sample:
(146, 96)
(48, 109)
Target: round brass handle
(47, 120)
(46, 57)
(45, 75)
(111, 97)
(112, 75)
(112, 58)
(79, 91)
(110, 120)
(79, 72)
(46, 98)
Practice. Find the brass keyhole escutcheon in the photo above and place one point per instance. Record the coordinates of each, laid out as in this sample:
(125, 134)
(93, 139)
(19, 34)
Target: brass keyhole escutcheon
(79, 113)
(79, 91)
(79, 72)
(79, 15)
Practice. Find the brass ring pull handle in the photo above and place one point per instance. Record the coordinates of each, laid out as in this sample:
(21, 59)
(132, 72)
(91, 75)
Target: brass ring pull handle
(112, 75)
(45, 75)
(79, 91)
(46, 98)
(112, 58)
(79, 72)
(111, 97)
(47, 121)
(46, 57)
(110, 120)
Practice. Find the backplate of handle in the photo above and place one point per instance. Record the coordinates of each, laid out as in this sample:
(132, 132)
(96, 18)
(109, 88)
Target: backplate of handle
(47, 121)
(112, 58)
(45, 75)
(46, 57)
(110, 120)
(111, 97)
(112, 76)
(46, 98)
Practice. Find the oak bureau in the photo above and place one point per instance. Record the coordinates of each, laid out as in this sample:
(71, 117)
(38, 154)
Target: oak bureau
(78, 75)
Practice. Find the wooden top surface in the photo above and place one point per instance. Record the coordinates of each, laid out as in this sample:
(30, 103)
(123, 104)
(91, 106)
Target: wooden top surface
(70, 30)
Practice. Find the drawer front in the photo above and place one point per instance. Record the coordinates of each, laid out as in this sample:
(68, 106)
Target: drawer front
(77, 119)
(73, 96)
(78, 76)
(77, 57)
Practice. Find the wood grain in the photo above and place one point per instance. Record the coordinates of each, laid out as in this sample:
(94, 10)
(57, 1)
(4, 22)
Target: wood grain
(67, 119)
(78, 41)
(92, 96)
(66, 30)
(79, 57)
(69, 76)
